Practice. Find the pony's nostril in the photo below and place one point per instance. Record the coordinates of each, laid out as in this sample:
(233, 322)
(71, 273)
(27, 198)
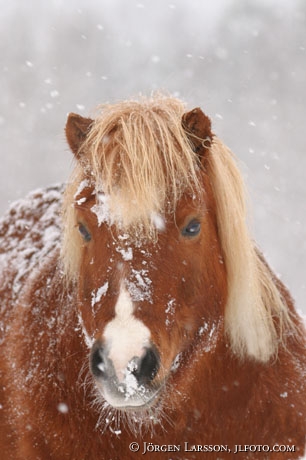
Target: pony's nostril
(147, 367)
(143, 368)
(97, 362)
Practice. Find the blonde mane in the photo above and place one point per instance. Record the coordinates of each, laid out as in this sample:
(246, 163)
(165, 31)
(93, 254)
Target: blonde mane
(138, 154)
(254, 305)
(140, 158)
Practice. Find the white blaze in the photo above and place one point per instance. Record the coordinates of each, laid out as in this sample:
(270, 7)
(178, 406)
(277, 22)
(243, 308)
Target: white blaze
(125, 336)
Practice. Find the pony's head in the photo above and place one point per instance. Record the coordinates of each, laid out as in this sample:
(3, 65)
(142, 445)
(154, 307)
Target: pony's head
(157, 244)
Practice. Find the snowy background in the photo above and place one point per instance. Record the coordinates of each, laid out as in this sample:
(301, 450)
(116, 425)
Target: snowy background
(243, 62)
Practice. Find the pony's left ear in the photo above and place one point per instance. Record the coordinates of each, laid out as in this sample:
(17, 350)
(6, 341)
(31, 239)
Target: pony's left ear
(77, 129)
(198, 129)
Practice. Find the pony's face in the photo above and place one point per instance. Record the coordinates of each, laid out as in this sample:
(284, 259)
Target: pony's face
(143, 303)
(147, 300)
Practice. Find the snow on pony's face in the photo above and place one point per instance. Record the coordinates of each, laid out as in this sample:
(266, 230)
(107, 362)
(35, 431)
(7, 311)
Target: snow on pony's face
(140, 298)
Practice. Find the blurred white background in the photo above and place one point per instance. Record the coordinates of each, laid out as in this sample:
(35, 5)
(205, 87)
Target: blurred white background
(243, 62)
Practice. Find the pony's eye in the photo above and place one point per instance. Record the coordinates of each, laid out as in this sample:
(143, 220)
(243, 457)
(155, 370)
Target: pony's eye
(192, 228)
(84, 232)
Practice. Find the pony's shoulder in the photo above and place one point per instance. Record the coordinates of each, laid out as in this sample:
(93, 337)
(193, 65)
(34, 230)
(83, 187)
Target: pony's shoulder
(30, 217)
(30, 231)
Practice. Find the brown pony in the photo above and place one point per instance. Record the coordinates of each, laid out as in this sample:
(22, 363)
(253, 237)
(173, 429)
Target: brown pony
(137, 315)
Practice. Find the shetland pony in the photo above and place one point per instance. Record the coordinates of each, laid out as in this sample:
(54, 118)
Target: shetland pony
(137, 314)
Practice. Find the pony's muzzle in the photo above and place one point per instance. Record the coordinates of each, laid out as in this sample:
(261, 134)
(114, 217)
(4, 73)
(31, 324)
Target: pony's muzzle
(131, 386)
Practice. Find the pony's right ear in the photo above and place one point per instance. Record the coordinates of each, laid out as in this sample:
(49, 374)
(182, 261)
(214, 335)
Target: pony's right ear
(77, 129)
